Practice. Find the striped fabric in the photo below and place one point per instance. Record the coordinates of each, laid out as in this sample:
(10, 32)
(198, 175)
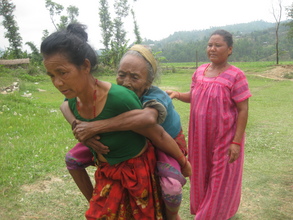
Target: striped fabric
(215, 184)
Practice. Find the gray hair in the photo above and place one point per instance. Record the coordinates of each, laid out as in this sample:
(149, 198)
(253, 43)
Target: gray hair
(151, 74)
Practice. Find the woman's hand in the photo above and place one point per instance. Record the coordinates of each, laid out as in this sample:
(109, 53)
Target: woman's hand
(172, 94)
(233, 152)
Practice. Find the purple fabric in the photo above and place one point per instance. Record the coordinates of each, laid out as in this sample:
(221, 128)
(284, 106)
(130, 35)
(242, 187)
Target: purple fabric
(79, 157)
(167, 166)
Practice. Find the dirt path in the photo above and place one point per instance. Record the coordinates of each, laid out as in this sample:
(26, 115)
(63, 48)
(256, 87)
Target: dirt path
(279, 72)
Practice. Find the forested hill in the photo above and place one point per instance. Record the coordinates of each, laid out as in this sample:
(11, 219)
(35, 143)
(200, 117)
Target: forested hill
(254, 41)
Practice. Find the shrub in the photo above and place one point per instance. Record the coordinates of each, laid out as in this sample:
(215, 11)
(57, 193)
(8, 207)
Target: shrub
(288, 75)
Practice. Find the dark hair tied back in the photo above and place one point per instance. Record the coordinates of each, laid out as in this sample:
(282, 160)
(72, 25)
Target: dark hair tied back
(78, 30)
(226, 35)
(72, 43)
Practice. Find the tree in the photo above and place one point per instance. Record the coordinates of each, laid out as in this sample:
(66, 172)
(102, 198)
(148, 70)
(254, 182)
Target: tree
(277, 15)
(290, 23)
(119, 42)
(35, 56)
(56, 9)
(121, 10)
(45, 34)
(136, 29)
(9, 23)
(72, 13)
(105, 23)
(113, 32)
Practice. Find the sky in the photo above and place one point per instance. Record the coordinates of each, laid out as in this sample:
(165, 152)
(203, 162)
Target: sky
(157, 19)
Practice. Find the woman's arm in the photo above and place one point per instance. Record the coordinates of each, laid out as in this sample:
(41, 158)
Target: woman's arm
(163, 141)
(68, 115)
(182, 96)
(234, 150)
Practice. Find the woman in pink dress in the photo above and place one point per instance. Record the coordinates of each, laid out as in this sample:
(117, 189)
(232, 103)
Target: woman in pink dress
(218, 115)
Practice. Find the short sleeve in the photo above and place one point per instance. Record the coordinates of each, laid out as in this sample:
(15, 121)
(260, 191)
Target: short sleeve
(159, 107)
(240, 90)
(193, 81)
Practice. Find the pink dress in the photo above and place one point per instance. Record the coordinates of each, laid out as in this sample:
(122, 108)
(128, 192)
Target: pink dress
(215, 185)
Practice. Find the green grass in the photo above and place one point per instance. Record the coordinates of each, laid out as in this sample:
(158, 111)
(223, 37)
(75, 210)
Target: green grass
(34, 137)
(247, 67)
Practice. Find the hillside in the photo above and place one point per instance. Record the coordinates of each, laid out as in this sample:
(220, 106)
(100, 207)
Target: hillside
(253, 41)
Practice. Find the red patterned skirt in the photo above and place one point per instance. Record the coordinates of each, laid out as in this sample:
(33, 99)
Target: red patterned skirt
(128, 190)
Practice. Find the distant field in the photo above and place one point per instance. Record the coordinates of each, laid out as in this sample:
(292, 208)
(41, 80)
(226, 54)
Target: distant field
(245, 66)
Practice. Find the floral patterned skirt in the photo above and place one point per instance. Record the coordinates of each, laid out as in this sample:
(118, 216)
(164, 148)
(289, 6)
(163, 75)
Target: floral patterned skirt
(128, 190)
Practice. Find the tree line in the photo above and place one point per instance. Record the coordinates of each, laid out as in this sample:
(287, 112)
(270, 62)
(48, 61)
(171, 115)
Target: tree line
(253, 41)
(249, 45)
(113, 32)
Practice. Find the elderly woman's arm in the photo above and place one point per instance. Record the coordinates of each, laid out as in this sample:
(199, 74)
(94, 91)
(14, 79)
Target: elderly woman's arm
(92, 141)
(234, 150)
(134, 119)
(163, 141)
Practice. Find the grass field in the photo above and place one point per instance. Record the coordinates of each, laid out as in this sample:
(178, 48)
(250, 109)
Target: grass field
(34, 137)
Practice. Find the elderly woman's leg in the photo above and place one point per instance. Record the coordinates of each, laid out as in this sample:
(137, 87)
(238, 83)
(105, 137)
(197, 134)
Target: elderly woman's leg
(172, 196)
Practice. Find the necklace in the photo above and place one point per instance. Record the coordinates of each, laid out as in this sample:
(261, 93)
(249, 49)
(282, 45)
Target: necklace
(217, 74)
(94, 101)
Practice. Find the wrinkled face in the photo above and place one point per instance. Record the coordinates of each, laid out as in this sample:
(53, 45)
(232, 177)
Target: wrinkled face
(132, 74)
(218, 50)
(65, 76)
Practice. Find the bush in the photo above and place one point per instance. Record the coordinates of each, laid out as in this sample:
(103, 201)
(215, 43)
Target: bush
(288, 75)
(103, 70)
(35, 69)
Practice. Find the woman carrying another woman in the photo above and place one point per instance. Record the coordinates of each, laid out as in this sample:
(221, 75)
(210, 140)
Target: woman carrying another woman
(137, 71)
(218, 115)
(126, 187)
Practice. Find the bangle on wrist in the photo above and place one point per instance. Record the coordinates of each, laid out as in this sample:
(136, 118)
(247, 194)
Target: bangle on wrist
(233, 142)
(185, 161)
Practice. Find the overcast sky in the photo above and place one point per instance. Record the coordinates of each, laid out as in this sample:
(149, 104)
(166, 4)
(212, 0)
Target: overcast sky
(157, 19)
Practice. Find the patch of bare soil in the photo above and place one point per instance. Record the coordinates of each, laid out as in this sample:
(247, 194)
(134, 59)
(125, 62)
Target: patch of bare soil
(41, 186)
(278, 72)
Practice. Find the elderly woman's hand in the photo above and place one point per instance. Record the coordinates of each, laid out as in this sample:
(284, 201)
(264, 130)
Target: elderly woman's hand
(83, 130)
(96, 145)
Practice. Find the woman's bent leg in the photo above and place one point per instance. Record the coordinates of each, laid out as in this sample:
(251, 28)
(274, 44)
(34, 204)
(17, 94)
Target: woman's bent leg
(77, 159)
(82, 180)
